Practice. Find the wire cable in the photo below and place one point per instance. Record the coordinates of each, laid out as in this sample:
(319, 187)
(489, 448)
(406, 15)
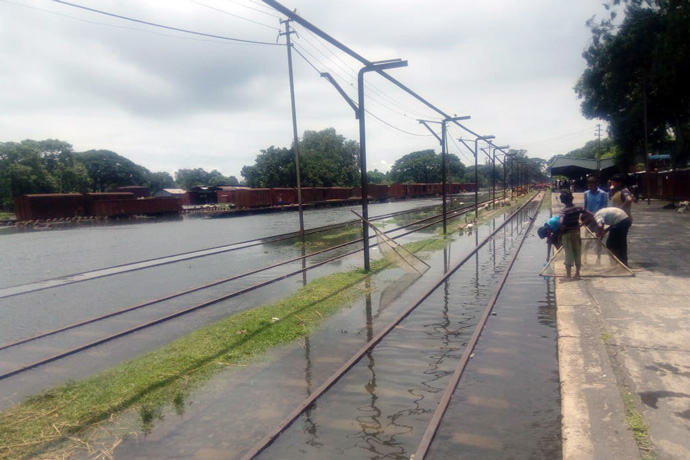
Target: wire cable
(234, 15)
(367, 111)
(153, 24)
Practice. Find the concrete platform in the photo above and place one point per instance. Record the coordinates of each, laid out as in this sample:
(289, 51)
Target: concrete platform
(629, 338)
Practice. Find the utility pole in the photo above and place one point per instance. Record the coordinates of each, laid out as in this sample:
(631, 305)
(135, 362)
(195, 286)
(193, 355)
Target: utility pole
(294, 126)
(599, 154)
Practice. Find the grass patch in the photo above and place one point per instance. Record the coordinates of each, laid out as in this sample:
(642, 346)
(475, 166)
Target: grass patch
(637, 425)
(6, 215)
(51, 419)
(61, 419)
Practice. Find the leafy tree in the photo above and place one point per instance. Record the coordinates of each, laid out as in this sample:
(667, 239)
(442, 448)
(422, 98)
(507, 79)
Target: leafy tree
(637, 75)
(424, 166)
(157, 181)
(108, 170)
(24, 169)
(274, 167)
(327, 159)
(376, 177)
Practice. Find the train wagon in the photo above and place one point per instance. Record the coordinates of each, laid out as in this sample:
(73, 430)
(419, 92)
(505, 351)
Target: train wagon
(49, 206)
(135, 207)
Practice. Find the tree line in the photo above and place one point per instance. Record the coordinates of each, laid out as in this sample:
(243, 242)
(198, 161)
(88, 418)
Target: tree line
(327, 159)
(52, 166)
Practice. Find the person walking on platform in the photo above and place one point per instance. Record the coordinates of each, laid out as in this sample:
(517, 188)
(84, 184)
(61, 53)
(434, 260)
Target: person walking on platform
(570, 232)
(618, 223)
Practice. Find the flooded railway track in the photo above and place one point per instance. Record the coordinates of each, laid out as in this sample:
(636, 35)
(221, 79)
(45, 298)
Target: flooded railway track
(37, 350)
(143, 264)
(383, 417)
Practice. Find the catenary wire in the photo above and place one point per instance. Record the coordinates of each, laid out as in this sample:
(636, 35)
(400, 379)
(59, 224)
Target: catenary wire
(354, 72)
(366, 110)
(219, 10)
(256, 9)
(153, 24)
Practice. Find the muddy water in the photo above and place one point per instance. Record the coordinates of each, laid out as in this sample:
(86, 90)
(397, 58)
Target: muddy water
(381, 408)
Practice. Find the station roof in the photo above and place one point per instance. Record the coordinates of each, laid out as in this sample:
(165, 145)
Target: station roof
(578, 167)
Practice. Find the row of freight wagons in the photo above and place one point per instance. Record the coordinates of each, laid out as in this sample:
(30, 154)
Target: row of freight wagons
(242, 197)
(69, 205)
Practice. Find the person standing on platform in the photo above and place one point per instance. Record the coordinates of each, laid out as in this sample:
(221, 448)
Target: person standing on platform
(595, 198)
(621, 198)
(570, 232)
(618, 225)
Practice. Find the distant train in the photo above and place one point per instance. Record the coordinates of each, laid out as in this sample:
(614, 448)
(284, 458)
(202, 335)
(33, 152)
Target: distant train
(247, 198)
(125, 204)
(99, 205)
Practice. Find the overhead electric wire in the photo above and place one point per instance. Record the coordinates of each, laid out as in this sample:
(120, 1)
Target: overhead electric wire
(258, 10)
(367, 84)
(373, 98)
(235, 15)
(470, 160)
(177, 29)
(366, 110)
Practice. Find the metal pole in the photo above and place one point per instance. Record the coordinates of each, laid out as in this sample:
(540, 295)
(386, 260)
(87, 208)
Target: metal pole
(476, 177)
(375, 66)
(493, 179)
(304, 23)
(363, 166)
(443, 171)
(294, 130)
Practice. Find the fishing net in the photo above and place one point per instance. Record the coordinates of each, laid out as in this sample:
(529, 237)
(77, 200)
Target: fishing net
(597, 260)
(395, 253)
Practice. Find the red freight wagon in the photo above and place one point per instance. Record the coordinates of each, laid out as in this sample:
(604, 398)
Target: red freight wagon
(49, 206)
(377, 192)
(283, 196)
(109, 196)
(133, 207)
(254, 198)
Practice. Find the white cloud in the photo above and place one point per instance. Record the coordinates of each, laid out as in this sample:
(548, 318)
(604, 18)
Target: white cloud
(170, 101)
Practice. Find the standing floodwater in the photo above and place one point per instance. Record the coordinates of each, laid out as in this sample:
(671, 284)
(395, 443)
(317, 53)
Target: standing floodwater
(507, 407)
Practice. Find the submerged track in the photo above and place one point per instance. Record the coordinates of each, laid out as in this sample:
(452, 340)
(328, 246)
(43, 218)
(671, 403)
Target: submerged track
(415, 226)
(435, 421)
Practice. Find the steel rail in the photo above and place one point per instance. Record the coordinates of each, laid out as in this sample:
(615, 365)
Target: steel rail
(36, 286)
(180, 312)
(333, 379)
(219, 282)
(439, 412)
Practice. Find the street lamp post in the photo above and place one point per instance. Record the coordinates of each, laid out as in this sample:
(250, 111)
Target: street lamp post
(476, 176)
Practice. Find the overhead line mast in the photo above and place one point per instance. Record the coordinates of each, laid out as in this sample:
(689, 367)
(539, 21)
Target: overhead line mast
(369, 66)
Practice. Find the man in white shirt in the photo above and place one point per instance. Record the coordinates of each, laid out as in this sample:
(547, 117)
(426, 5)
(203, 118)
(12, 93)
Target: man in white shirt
(618, 223)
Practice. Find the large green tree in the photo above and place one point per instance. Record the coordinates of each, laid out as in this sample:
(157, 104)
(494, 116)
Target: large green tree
(636, 76)
(424, 166)
(108, 170)
(327, 159)
(45, 166)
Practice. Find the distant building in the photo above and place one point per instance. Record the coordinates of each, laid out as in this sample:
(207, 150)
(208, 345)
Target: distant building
(178, 193)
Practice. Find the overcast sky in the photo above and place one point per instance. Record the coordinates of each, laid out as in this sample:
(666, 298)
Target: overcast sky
(169, 100)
